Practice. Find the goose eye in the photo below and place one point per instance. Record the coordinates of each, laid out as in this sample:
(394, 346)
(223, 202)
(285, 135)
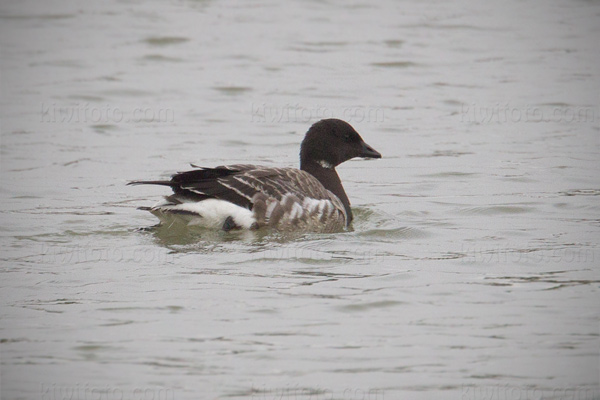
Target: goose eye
(348, 138)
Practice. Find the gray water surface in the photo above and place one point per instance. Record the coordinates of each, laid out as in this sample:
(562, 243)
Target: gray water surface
(471, 271)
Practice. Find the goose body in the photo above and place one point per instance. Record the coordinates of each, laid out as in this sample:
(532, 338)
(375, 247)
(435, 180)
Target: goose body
(246, 196)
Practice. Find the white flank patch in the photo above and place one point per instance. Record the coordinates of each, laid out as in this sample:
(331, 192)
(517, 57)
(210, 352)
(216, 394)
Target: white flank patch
(270, 208)
(313, 204)
(296, 212)
(209, 213)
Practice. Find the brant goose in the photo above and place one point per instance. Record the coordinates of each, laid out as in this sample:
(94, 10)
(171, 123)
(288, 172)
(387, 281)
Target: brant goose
(249, 196)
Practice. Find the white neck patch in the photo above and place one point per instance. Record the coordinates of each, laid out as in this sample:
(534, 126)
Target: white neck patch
(325, 164)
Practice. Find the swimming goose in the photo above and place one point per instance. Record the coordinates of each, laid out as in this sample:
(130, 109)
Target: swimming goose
(244, 196)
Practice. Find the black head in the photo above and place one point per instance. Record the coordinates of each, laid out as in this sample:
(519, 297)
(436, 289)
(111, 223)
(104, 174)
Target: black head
(330, 142)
